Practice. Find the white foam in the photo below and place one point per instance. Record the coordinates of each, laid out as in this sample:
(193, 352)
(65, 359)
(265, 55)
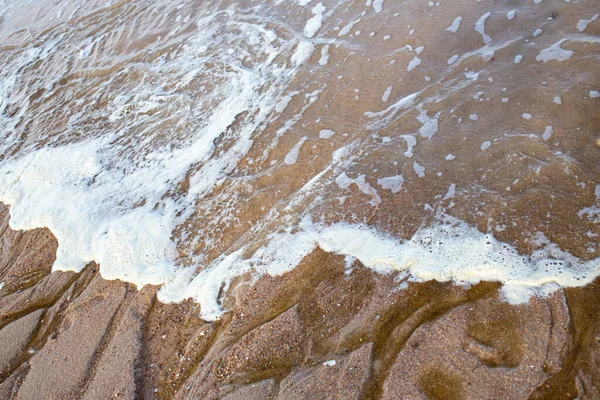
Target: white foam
(386, 94)
(419, 169)
(106, 193)
(455, 25)
(447, 251)
(411, 141)
(393, 183)
(326, 134)
(430, 125)
(283, 103)
(548, 132)
(292, 156)
(303, 52)
(592, 213)
(594, 94)
(344, 182)
(451, 192)
(452, 59)
(107, 203)
(315, 23)
(324, 55)
(583, 23)
(347, 28)
(414, 63)
(472, 75)
(480, 27)
(554, 52)
(378, 5)
(390, 112)
(487, 56)
(53, 188)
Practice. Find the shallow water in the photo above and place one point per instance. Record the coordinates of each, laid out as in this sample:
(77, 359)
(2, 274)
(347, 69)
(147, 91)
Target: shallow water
(187, 143)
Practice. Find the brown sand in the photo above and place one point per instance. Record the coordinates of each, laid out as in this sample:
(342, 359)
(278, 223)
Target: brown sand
(67, 336)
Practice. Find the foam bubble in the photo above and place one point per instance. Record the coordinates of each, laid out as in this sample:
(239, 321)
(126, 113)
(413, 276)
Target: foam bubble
(386, 95)
(315, 23)
(548, 133)
(480, 28)
(303, 52)
(347, 28)
(554, 52)
(326, 134)
(419, 169)
(430, 125)
(393, 183)
(583, 23)
(414, 63)
(455, 25)
(378, 5)
(293, 154)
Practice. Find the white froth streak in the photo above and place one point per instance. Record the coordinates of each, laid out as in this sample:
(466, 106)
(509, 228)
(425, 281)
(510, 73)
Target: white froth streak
(378, 5)
(314, 23)
(480, 28)
(455, 25)
(554, 52)
(444, 252)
